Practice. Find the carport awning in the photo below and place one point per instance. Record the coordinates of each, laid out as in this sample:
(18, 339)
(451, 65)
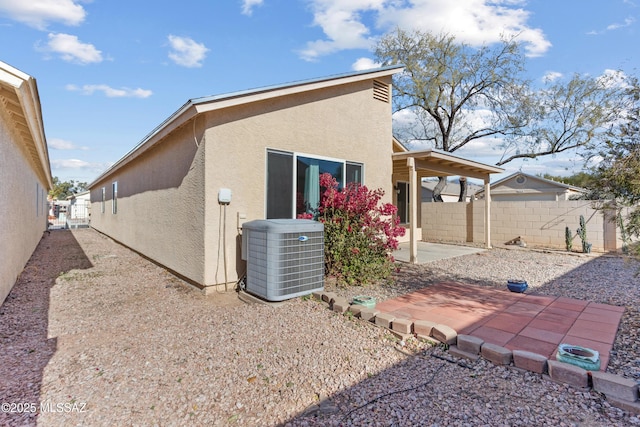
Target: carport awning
(415, 165)
(440, 163)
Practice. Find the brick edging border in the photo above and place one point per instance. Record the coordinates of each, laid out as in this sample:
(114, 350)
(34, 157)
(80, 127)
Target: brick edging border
(619, 391)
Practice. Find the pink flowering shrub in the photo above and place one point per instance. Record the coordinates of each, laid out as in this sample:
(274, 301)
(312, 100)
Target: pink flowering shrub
(359, 232)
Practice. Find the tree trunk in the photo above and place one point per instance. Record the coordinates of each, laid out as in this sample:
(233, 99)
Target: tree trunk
(463, 189)
(437, 190)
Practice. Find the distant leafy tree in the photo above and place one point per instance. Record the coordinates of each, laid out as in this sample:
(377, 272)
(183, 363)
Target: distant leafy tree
(618, 174)
(445, 82)
(455, 94)
(63, 189)
(572, 115)
(580, 179)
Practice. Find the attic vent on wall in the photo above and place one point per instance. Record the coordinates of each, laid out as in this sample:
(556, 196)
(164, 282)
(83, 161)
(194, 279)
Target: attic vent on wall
(381, 91)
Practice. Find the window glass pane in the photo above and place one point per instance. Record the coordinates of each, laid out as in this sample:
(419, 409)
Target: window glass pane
(403, 202)
(114, 189)
(308, 183)
(354, 173)
(279, 185)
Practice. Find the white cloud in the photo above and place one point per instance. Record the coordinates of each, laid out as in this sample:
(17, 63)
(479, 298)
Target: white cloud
(61, 144)
(614, 79)
(615, 26)
(340, 20)
(476, 22)
(248, 5)
(75, 164)
(186, 52)
(627, 22)
(364, 64)
(110, 92)
(551, 76)
(39, 13)
(72, 50)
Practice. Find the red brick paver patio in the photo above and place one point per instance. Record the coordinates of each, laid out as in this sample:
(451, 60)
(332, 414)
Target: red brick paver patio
(516, 321)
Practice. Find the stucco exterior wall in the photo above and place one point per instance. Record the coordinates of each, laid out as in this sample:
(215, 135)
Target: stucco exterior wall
(539, 223)
(160, 204)
(23, 209)
(343, 122)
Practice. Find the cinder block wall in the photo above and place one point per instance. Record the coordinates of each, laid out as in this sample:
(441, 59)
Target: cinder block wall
(445, 221)
(539, 223)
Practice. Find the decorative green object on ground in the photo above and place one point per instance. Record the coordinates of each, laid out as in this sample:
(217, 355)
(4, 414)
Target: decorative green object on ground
(585, 358)
(369, 302)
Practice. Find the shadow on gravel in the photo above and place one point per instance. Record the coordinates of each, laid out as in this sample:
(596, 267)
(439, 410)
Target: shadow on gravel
(26, 350)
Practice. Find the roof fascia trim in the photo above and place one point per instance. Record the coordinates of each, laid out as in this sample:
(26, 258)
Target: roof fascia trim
(441, 155)
(197, 106)
(177, 119)
(26, 90)
(261, 94)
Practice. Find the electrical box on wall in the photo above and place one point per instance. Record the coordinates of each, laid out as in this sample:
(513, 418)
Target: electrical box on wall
(224, 196)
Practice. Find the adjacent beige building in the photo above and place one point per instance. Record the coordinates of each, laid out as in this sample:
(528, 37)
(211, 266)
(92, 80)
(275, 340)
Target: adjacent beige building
(181, 195)
(520, 187)
(24, 172)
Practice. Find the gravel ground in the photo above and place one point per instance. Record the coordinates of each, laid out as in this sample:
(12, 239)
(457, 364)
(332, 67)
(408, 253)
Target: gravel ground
(93, 334)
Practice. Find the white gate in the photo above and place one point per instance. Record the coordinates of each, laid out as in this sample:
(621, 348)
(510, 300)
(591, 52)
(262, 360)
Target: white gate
(73, 213)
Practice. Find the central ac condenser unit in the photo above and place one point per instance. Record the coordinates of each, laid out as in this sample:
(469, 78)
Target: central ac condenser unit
(285, 257)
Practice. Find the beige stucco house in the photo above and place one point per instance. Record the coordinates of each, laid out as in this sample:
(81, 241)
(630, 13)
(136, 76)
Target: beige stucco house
(24, 172)
(520, 186)
(260, 150)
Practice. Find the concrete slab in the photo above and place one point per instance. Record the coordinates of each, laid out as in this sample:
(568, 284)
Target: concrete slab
(428, 251)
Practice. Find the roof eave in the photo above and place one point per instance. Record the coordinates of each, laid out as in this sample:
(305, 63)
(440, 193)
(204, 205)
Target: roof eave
(441, 155)
(25, 89)
(197, 106)
(177, 119)
(244, 97)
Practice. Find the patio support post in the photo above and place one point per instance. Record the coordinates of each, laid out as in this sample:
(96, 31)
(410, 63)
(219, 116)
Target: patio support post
(413, 211)
(487, 212)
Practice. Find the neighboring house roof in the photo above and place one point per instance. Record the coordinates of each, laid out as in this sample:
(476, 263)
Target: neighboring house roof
(19, 96)
(81, 195)
(452, 187)
(196, 106)
(521, 178)
(398, 147)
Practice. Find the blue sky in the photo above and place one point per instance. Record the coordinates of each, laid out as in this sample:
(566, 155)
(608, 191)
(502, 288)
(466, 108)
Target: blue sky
(109, 72)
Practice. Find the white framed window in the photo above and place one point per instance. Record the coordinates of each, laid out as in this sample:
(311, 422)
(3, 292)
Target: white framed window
(293, 185)
(103, 199)
(114, 201)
